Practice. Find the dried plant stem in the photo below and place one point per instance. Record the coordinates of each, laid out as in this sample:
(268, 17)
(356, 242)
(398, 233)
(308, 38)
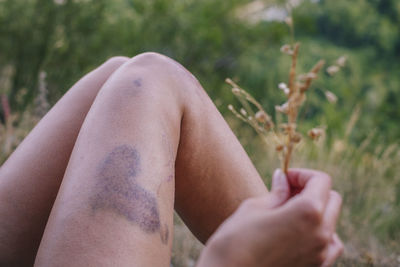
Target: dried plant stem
(292, 110)
(317, 67)
(288, 156)
(296, 98)
(285, 137)
(292, 73)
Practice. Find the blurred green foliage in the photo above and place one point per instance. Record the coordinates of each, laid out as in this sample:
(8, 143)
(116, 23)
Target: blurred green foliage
(67, 38)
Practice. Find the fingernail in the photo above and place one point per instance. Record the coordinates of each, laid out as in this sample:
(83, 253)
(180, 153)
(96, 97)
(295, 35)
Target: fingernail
(280, 188)
(279, 177)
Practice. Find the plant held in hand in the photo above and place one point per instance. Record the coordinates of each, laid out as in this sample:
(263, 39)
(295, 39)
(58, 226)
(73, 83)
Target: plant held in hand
(285, 136)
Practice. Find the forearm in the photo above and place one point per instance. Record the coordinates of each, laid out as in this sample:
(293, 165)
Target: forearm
(213, 171)
(213, 256)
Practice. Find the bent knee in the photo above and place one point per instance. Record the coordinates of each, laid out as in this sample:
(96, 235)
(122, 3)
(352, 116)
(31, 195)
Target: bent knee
(146, 72)
(148, 79)
(162, 68)
(115, 62)
(153, 79)
(153, 59)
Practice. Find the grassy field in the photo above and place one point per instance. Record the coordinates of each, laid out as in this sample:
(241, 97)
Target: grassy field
(365, 175)
(217, 39)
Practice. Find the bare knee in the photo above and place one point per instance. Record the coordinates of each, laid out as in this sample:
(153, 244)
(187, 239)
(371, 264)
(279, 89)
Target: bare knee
(167, 70)
(153, 59)
(153, 78)
(115, 62)
(147, 71)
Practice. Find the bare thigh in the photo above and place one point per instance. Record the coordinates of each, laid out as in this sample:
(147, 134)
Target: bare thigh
(152, 141)
(30, 178)
(152, 136)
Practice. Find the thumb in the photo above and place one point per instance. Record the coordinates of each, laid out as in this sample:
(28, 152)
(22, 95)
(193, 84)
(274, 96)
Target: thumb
(280, 191)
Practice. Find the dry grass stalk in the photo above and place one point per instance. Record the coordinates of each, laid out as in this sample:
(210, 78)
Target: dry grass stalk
(17, 125)
(285, 137)
(41, 103)
(7, 131)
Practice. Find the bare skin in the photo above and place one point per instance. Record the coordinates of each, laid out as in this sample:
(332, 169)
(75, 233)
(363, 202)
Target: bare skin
(31, 177)
(126, 145)
(168, 109)
(301, 228)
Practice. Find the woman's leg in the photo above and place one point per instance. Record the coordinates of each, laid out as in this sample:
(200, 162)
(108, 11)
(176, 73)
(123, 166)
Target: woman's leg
(115, 204)
(30, 178)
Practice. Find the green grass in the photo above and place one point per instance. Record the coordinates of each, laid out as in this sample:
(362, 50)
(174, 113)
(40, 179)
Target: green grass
(366, 176)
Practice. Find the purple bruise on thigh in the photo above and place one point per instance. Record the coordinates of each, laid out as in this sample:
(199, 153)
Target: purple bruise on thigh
(164, 234)
(117, 190)
(137, 82)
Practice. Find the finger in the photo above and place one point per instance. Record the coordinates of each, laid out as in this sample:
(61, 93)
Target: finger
(280, 190)
(315, 185)
(332, 211)
(299, 177)
(334, 250)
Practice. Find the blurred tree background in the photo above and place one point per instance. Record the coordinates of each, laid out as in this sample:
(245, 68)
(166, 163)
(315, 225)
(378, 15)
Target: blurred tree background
(231, 38)
(214, 40)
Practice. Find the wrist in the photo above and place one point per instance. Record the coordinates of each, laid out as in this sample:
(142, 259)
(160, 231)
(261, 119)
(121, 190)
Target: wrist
(219, 252)
(214, 255)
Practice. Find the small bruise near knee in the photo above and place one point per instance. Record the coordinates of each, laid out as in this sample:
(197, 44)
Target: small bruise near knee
(125, 86)
(137, 82)
(134, 88)
(118, 191)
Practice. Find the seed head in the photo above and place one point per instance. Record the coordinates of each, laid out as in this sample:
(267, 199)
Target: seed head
(284, 108)
(268, 125)
(262, 117)
(288, 127)
(332, 70)
(315, 133)
(302, 77)
(286, 49)
(332, 98)
(341, 61)
(311, 75)
(339, 146)
(284, 88)
(296, 138)
(289, 21)
(235, 90)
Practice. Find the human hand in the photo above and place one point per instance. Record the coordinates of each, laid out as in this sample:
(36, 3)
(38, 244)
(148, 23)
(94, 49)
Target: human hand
(294, 225)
